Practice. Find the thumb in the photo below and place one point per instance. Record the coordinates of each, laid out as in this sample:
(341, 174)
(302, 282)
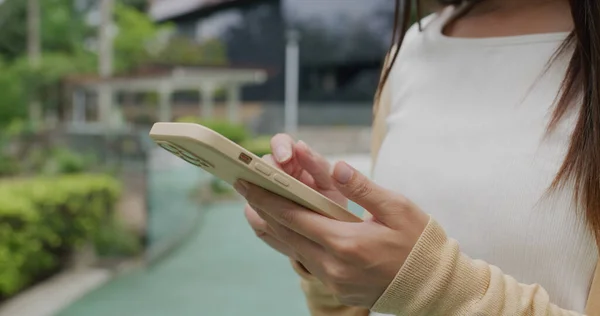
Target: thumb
(384, 205)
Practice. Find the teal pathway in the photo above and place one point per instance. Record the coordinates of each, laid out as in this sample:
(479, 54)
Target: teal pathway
(221, 270)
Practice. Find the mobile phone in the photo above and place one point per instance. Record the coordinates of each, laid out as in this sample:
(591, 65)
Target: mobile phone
(213, 152)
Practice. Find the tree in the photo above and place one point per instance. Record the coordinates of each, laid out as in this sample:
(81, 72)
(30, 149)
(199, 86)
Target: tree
(136, 31)
(12, 98)
(34, 52)
(140, 41)
(63, 27)
(66, 50)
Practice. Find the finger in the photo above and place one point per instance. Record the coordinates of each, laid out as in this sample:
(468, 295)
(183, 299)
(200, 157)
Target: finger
(289, 166)
(304, 177)
(264, 232)
(269, 159)
(281, 146)
(302, 247)
(315, 165)
(384, 205)
(292, 168)
(279, 246)
(307, 179)
(289, 214)
(258, 224)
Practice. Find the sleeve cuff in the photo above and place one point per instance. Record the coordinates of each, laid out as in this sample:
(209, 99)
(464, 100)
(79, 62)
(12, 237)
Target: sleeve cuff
(434, 268)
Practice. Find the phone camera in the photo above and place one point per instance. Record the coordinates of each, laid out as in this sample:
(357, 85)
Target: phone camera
(186, 156)
(169, 148)
(197, 161)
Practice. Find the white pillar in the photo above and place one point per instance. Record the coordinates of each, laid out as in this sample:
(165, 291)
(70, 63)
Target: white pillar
(164, 107)
(207, 91)
(105, 60)
(233, 103)
(105, 103)
(78, 115)
(292, 62)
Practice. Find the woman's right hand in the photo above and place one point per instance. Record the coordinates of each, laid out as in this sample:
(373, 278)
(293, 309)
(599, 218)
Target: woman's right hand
(302, 163)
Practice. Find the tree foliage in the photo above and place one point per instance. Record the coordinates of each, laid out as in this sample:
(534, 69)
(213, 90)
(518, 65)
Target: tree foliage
(68, 48)
(63, 28)
(136, 35)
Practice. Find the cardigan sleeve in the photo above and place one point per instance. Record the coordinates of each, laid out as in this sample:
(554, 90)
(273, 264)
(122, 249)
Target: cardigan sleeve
(437, 279)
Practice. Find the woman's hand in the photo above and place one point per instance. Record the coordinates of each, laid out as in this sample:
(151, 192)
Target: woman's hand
(299, 161)
(357, 261)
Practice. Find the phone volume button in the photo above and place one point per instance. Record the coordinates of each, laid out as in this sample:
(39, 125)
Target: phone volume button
(281, 180)
(263, 169)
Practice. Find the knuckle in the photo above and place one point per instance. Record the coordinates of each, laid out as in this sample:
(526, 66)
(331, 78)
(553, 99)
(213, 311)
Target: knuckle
(336, 273)
(401, 201)
(398, 204)
(361, 190)
(260, 233)
(260, 228)
(349, 248)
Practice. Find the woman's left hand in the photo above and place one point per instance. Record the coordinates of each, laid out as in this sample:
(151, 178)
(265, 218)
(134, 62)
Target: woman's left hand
(357, 261)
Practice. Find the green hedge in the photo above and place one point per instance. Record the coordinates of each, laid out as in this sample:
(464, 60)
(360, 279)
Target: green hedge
(237, 133)
(259, 146)
(9, 166)
(43, 220)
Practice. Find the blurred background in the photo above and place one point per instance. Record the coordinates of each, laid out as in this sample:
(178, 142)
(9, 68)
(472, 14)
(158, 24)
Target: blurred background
(94, 218)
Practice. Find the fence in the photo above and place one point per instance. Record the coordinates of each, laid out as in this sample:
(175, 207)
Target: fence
(155, 200)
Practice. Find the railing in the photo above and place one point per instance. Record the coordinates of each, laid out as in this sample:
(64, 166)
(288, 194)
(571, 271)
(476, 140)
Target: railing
(157, 189)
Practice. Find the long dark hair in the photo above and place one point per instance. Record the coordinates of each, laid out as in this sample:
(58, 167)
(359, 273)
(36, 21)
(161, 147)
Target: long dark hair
(580, 91)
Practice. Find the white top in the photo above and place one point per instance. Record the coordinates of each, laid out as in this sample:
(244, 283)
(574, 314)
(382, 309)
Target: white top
(466, 143)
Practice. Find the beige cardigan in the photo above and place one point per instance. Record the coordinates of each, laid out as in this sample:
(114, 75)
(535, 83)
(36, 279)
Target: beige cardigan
(437, 279)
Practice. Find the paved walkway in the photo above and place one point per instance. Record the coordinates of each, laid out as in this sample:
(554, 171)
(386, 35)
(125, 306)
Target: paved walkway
(222, 270)
(50, 297)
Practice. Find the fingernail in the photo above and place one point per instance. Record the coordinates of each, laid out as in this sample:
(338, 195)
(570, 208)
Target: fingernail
(282, 153)
(240, 187)
(305, 147)
(342, 173)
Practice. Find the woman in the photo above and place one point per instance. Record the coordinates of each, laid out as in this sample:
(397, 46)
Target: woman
(491, 112)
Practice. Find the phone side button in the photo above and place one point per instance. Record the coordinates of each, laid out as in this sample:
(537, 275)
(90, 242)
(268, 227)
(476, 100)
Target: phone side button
(279, 179)
(263, 169)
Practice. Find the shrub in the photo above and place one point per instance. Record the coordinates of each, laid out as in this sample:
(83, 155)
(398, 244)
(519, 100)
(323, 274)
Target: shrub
(9, 166)
(237, 133)
(18, 128)
(56, 161)
(259, 146)
(113, 239)
(44, 220)
(65, 161)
